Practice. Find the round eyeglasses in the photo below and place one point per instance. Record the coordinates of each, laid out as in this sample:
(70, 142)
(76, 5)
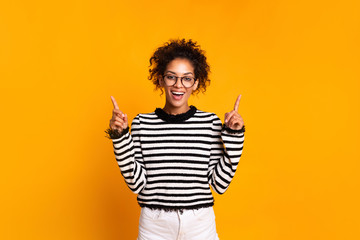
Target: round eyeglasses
(171, 80)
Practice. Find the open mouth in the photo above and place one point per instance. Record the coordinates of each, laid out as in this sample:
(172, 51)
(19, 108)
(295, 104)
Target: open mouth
(177, 95)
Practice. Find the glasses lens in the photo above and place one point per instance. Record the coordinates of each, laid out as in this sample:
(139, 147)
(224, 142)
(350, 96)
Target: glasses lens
(188, 81)
(170, 80)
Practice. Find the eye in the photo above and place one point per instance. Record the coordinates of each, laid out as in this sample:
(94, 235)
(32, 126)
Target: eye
(188, 79)
(170, 77)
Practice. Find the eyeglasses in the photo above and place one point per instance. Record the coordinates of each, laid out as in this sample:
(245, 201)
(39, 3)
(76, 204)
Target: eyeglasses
(171, 80)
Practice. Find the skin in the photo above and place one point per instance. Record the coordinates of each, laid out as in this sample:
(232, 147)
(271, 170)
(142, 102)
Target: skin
(119, 120)
(233, 119)
(180, 67)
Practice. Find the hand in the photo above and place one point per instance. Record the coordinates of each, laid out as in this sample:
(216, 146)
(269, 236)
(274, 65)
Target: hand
(119, 120)
(233, 119)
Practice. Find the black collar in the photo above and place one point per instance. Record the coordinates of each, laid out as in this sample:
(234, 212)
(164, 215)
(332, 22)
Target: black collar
(175, 118)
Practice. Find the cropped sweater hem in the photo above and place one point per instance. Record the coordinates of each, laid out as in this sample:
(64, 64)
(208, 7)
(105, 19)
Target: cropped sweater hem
(172, 209)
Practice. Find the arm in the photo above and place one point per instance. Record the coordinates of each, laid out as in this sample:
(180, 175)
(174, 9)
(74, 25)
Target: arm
(128, 154)
(225, 155)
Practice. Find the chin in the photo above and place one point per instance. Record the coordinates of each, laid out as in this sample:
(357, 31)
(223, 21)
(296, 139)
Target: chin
(177, 104)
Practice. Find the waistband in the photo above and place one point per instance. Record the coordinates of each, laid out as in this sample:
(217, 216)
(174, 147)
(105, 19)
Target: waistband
(176, 209)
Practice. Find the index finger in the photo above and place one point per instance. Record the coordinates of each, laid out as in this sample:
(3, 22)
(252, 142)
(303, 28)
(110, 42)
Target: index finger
(114, 102)
(236, 107)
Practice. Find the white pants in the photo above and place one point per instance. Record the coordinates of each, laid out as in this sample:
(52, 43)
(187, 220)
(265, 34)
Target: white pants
(189, 225)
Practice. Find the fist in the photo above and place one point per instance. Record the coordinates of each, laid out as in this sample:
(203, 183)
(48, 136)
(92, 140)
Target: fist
(119, 120)
(233, 119)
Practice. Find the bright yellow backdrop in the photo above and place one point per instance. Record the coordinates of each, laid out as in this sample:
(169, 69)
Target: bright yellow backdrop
(296, 64)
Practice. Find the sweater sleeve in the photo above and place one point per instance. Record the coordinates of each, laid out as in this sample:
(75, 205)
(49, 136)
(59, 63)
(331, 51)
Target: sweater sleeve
(128, 155)
(225, 155)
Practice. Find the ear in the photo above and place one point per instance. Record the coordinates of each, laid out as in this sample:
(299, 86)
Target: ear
(161, 81)
(195, 85)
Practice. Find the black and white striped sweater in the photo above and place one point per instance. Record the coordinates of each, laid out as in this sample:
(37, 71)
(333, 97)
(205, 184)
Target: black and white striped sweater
(170, 161)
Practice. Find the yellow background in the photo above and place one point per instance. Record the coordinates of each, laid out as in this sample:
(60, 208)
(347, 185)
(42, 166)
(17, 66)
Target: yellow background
(296, 64)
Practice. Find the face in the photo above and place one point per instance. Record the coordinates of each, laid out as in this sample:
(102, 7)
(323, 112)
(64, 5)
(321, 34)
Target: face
(177, 96)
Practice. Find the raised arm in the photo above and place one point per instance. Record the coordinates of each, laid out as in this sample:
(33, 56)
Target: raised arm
(127, 150)
(226, 149)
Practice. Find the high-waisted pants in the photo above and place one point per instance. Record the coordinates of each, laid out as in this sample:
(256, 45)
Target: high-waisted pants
(196, 224)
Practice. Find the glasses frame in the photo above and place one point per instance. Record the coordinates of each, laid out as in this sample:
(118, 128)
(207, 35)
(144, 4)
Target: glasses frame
(181, 79)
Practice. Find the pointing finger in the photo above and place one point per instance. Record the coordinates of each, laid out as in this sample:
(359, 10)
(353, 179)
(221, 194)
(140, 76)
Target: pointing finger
(228, 116)
(114, 102)
(236, 107)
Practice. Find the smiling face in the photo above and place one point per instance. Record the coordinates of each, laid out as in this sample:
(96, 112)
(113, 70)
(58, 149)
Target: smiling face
(177, 96)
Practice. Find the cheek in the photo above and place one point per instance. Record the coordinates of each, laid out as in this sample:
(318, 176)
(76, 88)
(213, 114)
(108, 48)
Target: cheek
(188, 93)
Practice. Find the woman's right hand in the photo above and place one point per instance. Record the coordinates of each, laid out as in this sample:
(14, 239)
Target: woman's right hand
(119, 120)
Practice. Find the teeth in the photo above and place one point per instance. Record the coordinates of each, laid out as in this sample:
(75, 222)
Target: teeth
(178, 93)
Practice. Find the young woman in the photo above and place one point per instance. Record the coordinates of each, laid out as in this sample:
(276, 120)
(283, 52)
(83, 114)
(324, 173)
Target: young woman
(174, 154)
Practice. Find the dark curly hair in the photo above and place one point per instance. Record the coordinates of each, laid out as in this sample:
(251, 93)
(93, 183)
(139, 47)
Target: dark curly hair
(176, 48)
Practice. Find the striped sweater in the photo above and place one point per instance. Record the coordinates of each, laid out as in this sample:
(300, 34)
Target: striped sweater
(171, 161)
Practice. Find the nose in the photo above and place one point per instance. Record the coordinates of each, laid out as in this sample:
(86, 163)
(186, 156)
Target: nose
(178, 83)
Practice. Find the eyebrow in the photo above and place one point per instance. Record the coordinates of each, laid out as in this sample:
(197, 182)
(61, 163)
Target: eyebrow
(184, 73)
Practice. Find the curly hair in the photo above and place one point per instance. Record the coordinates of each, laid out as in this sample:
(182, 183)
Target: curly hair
(176, 48)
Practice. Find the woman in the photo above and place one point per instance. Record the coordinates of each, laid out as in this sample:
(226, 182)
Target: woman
(173, 155)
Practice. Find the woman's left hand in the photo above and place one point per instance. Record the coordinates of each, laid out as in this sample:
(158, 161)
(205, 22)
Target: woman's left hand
(233, 119)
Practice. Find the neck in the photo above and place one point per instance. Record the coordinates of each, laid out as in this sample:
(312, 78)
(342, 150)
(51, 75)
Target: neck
(176, 110)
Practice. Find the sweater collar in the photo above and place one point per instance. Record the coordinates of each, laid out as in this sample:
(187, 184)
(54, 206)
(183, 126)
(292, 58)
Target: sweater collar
(175, 118)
